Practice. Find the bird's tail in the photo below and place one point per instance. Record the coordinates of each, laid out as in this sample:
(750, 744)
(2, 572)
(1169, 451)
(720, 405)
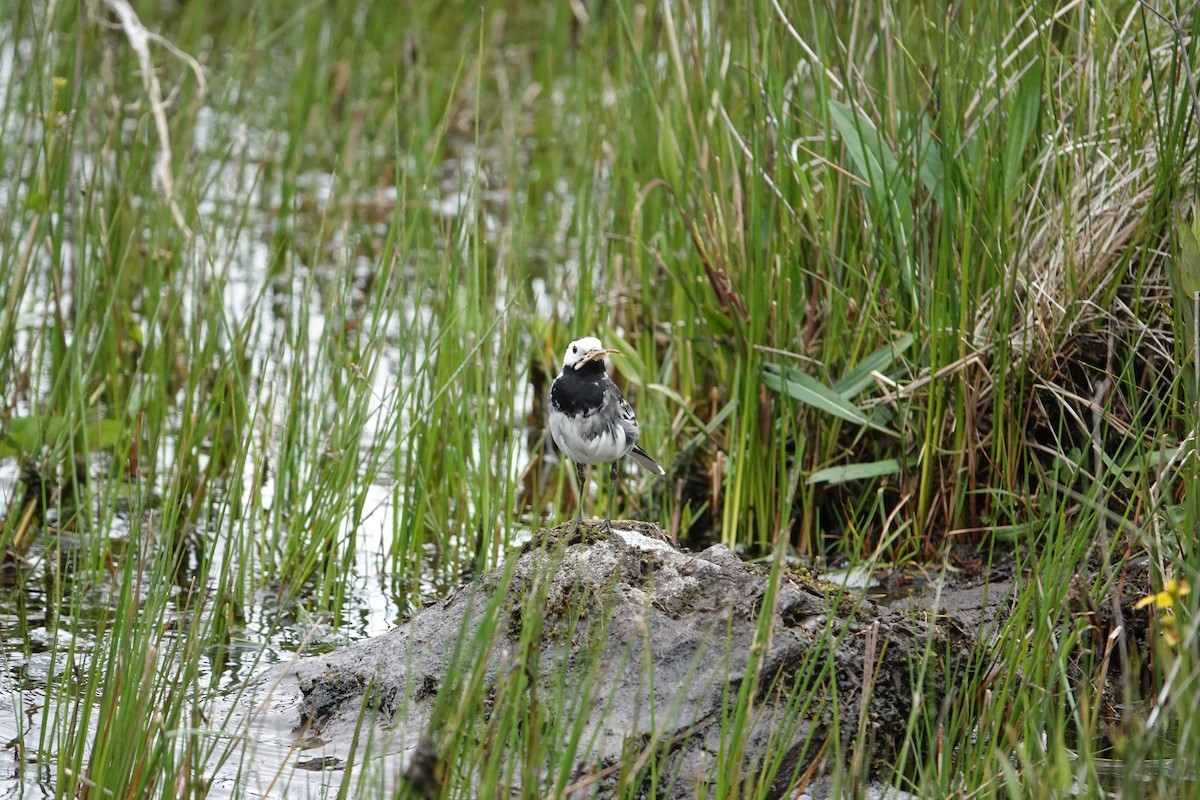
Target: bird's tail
(642, 457)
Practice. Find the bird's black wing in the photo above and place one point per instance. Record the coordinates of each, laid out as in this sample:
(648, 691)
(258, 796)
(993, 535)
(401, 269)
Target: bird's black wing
(622, 415)
(619, 411)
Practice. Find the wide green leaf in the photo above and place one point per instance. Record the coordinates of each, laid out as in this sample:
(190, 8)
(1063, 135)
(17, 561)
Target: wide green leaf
(854, 472)
(28, 434)
(1187, 263)
(811, 392)
(872, 158)
(1023, 116)
(880, 360)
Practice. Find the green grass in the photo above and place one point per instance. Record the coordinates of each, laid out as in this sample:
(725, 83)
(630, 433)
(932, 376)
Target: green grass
(889, 280)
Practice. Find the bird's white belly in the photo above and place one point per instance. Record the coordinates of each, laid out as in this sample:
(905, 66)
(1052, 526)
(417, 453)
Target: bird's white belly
(588, 441)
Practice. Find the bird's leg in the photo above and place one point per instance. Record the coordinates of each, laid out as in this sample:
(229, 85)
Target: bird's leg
(581, 474)
(612, 492)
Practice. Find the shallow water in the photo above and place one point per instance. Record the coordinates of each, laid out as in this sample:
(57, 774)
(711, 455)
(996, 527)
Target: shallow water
(275, 627)
(40, 649)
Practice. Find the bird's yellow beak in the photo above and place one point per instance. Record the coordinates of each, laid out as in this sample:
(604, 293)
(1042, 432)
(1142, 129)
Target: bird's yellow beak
(596, 355)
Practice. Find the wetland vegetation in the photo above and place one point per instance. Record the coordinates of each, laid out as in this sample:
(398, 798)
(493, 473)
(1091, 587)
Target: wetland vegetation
(898, 284)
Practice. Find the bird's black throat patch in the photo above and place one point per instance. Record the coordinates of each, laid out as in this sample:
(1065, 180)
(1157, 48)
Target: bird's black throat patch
(579, 391)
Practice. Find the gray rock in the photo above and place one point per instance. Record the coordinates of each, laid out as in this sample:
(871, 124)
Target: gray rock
(642, 646)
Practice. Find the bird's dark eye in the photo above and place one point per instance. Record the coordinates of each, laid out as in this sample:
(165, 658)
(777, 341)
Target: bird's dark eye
(574, 349)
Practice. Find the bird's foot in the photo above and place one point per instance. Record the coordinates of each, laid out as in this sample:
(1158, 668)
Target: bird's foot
(587, 532)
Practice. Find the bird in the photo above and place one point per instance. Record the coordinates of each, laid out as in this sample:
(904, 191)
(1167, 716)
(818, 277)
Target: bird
(590, 420)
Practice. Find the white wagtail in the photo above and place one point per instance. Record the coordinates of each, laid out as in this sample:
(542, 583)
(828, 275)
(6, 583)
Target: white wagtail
(590, 420)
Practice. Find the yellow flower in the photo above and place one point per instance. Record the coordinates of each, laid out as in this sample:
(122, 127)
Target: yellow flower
(1172, 591)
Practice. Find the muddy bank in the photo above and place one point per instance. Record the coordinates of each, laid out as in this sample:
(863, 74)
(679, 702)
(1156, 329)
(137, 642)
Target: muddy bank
(652, 645)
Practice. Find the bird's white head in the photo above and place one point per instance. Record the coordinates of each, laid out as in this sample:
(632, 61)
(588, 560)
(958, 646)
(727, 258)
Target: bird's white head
(584, 351)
